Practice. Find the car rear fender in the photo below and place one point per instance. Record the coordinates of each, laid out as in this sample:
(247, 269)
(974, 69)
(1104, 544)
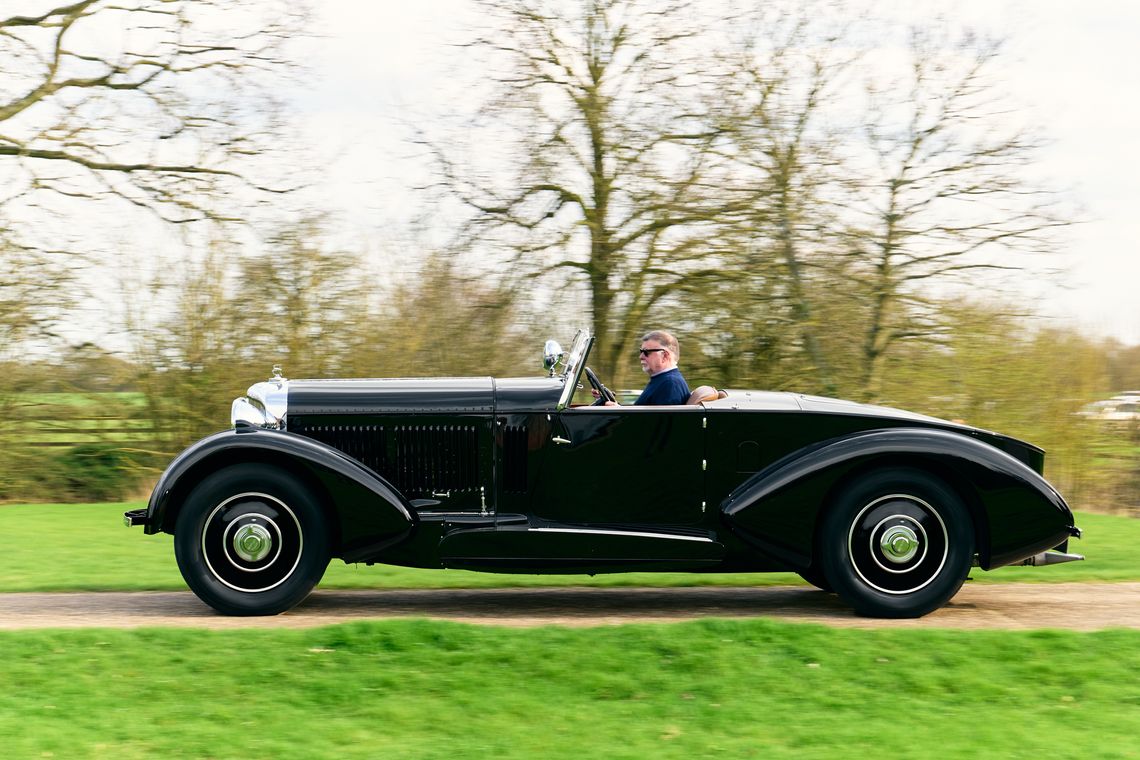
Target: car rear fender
(369, 512)
(1016, 512)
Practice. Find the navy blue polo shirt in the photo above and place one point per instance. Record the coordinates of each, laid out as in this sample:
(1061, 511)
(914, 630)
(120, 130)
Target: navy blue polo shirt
(665, 388)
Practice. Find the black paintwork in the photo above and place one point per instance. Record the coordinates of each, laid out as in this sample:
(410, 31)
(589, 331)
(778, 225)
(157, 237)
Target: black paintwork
(488, 474)
(391, 396)
(370, 514)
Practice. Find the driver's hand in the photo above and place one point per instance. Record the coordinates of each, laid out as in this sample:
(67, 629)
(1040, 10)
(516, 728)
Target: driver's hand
(594, 393)
(611, 403)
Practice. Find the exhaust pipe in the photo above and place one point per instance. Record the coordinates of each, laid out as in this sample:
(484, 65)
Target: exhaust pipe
(1052, 558)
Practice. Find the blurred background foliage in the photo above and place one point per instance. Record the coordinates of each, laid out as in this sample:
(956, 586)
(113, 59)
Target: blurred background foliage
(804, 214)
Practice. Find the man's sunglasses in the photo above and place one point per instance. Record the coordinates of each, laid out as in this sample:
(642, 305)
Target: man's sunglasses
(648, 351)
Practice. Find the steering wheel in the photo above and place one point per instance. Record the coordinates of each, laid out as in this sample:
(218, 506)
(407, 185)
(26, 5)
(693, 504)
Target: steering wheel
(604, 393)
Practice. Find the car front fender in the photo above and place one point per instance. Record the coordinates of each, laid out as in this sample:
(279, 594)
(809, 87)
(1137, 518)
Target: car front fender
(370, 513)
(1016, 512)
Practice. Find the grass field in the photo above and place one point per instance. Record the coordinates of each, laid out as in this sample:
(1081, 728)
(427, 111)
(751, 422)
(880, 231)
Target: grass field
(430, 689)
(47, 547)
(415, 689)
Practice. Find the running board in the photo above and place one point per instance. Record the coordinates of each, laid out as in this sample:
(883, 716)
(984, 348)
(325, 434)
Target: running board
(521, 548)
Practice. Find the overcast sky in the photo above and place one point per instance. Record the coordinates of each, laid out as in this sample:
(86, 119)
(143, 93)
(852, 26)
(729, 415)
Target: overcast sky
(1074, 66)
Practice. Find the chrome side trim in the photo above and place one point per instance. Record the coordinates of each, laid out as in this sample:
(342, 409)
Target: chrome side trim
(592, 531)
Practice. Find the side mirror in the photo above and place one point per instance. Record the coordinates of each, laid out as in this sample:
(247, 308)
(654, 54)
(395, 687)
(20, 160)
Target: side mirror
(552, 355)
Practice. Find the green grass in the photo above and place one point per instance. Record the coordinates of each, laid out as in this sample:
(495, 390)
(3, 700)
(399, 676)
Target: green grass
(417, 689)
(46, 547)
(427, 689)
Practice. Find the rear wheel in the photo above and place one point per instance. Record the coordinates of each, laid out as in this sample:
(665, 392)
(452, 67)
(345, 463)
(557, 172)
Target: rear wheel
(251, 540)
(899, 543)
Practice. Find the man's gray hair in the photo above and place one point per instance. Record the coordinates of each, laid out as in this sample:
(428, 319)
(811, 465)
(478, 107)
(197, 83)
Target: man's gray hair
(666, 340)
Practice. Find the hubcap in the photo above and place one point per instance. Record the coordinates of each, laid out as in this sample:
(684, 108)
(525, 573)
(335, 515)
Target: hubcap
(899, 544)
(252, 542)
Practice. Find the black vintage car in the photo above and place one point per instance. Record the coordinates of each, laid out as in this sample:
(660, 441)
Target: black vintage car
(886, 508)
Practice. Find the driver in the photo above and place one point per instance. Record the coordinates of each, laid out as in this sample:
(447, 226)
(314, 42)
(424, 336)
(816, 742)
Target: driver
(659, 354)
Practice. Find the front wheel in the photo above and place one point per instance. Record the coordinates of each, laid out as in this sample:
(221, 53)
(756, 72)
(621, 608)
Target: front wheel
(251, 540)
(898, 543)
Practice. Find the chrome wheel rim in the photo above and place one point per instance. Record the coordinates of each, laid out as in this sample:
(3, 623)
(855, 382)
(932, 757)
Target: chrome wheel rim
(252, 542)
(898, 544)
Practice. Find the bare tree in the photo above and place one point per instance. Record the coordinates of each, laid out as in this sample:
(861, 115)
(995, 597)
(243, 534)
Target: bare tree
(314, 307)
(31, 290)
(154, 102)
(232, 315)
(165, 107)
(614, 179)
(186, 358)
(943, 195)
(787, 69)
(651, 170)
(442, 321)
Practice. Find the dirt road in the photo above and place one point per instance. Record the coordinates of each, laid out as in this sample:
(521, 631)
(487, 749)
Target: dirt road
(1073, 606)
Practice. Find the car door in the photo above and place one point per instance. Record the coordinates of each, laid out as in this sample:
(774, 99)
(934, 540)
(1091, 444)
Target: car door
(627, 465)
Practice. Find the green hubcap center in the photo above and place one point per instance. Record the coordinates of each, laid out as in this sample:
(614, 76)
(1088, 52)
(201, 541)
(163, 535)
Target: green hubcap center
(899, 544)
(252, 542)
